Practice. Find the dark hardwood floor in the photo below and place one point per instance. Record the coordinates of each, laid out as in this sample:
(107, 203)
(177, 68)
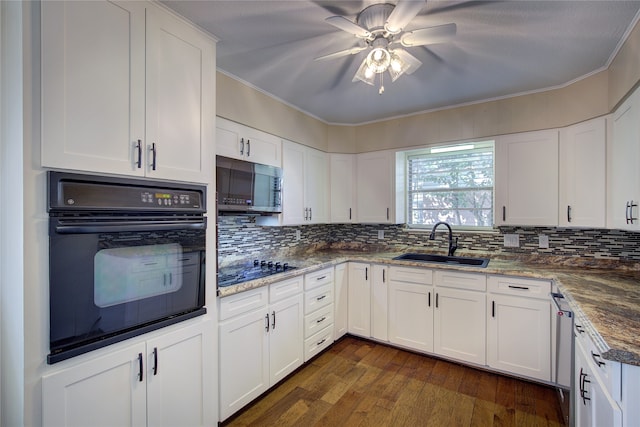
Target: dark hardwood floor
(362, 383)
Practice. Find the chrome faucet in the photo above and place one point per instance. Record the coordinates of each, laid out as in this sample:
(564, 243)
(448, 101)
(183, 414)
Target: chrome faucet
(452, 246)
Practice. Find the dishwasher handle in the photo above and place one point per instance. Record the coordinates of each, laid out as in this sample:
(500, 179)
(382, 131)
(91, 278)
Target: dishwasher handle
(560, 311)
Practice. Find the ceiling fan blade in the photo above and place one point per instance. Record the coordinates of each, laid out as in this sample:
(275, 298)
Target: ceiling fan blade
(345, 25)
(341, 53)
(402, 14)
(429, 35)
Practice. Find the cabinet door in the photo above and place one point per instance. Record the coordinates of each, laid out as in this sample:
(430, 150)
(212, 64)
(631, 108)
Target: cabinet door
(342, 177)
(109, 390)
(229, 139)
(316, 186)
(375, 185)
(460, 324)
(286, 339)
(527, 179)
(341, 294)
(359, 299)
(582, 174)
(180, 99)
(623, 183)
(180, 377)
(519, 336)
(243, 360)
(411, 315)
(293, 207)
(379, 302)
(93, 84)
(263, 148)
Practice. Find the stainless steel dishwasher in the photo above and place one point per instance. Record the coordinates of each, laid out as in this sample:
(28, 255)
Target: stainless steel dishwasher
(564, 354)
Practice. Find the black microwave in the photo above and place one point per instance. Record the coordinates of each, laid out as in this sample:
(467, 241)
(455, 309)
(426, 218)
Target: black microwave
(246, 187)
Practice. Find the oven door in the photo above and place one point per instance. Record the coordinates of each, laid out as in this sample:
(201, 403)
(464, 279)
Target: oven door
(114, 277)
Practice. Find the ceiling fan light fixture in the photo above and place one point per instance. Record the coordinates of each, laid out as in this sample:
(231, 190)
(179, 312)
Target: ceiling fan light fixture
(378, 60)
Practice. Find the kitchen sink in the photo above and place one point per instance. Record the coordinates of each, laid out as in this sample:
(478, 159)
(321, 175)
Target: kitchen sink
(443, 259)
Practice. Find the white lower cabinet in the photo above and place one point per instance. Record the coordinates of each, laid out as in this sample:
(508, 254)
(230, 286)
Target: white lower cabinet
(341, 299)
(411, 308)
(379, 302)
(460, 316)
(260, 335)
(519, 326)
(359, 322)
(164, 381)
(318, 311)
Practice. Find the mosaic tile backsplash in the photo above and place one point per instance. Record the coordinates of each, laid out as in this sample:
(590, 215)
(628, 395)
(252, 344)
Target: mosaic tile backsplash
(241, 238)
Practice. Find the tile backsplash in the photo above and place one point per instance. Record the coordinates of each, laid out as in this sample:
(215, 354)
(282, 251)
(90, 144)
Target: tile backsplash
(240, 238)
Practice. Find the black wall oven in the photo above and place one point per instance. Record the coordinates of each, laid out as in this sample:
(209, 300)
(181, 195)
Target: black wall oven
(126, 256)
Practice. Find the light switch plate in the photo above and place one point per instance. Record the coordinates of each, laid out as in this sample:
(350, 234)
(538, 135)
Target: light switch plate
(380, 234)
(297, 234)
(543, 241)
(511, 240)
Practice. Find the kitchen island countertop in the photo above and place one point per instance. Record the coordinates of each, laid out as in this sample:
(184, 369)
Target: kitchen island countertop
(604, 295)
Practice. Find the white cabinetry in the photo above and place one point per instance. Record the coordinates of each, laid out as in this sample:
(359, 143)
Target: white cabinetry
(583, 175)
(167, 380)
(242, 142)
(526, 184)
(460, 316)
(359, 299)
(318, 311)
(305, 185)
(411, 307)
(341, 299)
(379, 302)
(375, 187)
(343, 195)
(519, 326)
(623, 184)
(127, 88)
(260, 341)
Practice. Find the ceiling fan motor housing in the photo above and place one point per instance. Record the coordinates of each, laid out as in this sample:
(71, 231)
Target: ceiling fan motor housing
(374, 17)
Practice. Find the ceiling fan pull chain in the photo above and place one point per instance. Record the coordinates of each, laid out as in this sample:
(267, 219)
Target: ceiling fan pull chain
(381, 90)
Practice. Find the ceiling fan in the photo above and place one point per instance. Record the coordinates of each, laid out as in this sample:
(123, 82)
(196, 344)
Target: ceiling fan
(380, 28)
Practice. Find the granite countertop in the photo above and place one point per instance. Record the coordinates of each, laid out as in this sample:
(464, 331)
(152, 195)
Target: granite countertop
(604, 295)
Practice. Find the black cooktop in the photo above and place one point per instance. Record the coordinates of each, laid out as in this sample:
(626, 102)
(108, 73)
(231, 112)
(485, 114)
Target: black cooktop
(256, 269)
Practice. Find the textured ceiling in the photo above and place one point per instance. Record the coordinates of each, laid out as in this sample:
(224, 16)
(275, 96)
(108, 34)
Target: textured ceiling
(501, 48)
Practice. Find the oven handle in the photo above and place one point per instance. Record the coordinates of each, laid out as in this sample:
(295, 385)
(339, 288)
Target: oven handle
(102, 227)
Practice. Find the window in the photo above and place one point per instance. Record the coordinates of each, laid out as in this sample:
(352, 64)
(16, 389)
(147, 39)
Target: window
(452, 184)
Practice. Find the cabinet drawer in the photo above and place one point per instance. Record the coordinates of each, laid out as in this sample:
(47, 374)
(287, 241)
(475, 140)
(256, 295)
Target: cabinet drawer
(318, 278)
(318, 320)
(318, 342)
(241, 303)
(281, 290)
(318, 298)
(421, 276)
(521, 287)
(454, 279)
(608, 371)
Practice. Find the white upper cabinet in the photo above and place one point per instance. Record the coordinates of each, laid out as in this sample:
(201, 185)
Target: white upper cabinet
(343, 179)
(375, 187)
(526, 184)
(583, 174)
(127, 88)
(623, 184)
(305, 197)
(242, 142)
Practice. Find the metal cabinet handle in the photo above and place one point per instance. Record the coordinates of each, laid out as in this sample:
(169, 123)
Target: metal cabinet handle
(322, 319)
(366, 273)
(155, 361)
(321, 278)
(383, 279)
(242, 146)
(568, 213)
(631, 206)
(504, 213)
(597, 358)
(310, 214)
(523, 288)
(387, 214)
(273, 323)
(140, 368)
(493, 309)
(429, 300)
(583, 390)
(139, 149)
(248, 148)
(436, 300)
(349, 213)
(266, 327)
(153, 156)
(321, 342)
(579, 328)
(321, 297)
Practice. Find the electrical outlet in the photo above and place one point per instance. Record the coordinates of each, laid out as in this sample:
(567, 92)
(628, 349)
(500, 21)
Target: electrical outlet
(543, 241)
(511, 240)
(297, 234)
(380, 234)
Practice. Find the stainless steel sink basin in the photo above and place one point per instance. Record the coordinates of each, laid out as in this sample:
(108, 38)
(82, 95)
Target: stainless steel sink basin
(443, 259)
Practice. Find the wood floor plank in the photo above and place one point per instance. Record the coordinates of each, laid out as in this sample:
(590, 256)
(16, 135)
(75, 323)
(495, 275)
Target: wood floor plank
(363, 383)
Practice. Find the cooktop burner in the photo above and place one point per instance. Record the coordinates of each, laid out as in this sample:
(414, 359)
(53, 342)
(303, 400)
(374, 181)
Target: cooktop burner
(251, 271)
